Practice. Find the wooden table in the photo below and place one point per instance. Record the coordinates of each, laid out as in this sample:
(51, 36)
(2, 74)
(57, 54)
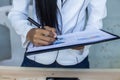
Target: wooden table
(21, 73)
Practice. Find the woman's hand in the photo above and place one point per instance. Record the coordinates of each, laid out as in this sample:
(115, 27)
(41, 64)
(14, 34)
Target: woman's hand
(42, 37)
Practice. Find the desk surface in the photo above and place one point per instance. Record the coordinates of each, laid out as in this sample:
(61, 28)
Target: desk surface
(21, 73)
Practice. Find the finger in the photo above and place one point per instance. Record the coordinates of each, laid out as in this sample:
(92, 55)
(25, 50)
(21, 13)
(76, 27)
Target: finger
(43, 32)
(53, 30)
(49, 28)
(78, 48)
(46, 38)
(40, 43)
(39, 36)
(48, 34)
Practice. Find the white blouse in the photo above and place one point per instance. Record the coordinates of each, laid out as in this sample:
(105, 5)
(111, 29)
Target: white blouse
(73, 16)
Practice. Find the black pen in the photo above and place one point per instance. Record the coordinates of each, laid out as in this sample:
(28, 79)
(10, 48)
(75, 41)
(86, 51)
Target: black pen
(34, 22)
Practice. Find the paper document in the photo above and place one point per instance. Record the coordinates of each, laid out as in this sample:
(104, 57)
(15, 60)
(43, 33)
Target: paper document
(75, 39)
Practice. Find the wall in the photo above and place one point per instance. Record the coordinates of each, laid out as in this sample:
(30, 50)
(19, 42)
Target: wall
(5, 47)
(107, 55)
(5, 2)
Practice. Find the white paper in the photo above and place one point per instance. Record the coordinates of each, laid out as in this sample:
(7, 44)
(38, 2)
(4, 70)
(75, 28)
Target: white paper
(74, 39)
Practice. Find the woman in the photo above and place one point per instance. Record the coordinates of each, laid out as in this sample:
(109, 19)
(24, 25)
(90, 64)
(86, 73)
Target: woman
(57, 17)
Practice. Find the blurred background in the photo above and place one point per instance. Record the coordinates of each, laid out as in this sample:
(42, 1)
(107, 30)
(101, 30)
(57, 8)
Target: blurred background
(102, 55)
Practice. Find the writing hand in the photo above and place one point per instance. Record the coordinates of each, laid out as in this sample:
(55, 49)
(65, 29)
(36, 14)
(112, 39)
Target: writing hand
(41, 37)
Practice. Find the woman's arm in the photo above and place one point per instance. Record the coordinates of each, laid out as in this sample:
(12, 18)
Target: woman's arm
(18, 18)
(96, 13)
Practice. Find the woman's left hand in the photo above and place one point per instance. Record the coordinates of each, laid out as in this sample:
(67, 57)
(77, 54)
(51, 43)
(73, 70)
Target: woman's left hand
(78, 48)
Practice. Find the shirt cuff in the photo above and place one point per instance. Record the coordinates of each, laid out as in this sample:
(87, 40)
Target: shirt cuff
(24, 36)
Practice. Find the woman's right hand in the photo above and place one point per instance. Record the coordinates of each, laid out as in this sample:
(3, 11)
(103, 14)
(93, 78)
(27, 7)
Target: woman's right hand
(41, 37)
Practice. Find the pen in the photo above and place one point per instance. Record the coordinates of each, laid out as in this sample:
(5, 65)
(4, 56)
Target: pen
(33, 22)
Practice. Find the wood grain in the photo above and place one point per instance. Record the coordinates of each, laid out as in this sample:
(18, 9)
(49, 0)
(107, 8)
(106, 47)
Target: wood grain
(22, 73)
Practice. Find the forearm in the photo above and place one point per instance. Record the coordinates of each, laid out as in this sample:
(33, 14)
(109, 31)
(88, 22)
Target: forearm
(18, 18)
